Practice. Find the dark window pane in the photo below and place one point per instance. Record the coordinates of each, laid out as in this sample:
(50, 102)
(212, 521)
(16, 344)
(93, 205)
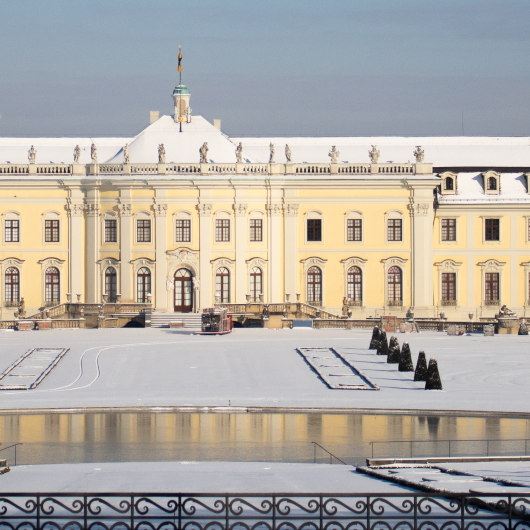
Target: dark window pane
(448, 229)
(11, 231)
(492, 229)
(111, 232)
(183, 231)
(354, 230)
(143, 227)
(448, 286)
(256, 230)
(222, 230)
(51, 233)
(394, 230)
(314, 230)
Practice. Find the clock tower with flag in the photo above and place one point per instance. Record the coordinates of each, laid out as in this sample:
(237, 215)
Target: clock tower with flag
(181, 97)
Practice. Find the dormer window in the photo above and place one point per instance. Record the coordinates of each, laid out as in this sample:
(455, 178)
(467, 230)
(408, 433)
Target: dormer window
(492, 183)
(448, 186)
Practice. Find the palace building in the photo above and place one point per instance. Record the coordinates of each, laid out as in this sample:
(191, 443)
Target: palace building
(185, 216)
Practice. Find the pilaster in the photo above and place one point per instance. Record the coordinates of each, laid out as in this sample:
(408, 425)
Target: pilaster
(125, 209)
(290, 238)
(92, 246)
(205, 227)
(274, 210)
(240, 211)
(75, 208)
(470, 273)
(160, 301)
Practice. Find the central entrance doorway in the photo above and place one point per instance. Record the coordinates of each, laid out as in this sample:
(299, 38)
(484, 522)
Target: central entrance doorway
(183, 291)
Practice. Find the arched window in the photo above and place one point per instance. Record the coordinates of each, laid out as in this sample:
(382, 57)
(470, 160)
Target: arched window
(256, 277)
(354, 284)
(110, 284)
(492, 183)
(449, 184)
(183, 291)
(51, 291)
(314, 285)
(144, 285)
(222, 284)
(12, 293)
(395, 285)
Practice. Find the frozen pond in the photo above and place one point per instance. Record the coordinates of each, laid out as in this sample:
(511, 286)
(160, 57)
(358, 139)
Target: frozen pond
(276, 437)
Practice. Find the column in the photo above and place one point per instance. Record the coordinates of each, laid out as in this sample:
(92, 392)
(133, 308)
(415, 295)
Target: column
(513, 262)
(241, 279)
(470, 257)
(92, 247)
(75, 247)
(160, 301)
(290, 241)
(125, 209)
(422, 251)
(205, 228)
(275, 293)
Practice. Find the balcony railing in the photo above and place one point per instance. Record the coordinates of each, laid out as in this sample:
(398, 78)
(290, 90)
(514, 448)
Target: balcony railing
(395, 303)
(492, 302)
(448, 302)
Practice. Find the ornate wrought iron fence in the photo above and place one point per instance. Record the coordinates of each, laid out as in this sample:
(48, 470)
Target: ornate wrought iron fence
(289, 511)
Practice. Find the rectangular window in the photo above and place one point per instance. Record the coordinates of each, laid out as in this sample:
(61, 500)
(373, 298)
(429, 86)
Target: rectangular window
(448, 229)
(143, 230)
(492, 287)
(448, 286)
(111, 231)
(183, 231)
(222, 230)
(355, 229)
(51, 231)
(12, 231)
(256, 230)
(394, 230)
(492, 230)
(314, 229)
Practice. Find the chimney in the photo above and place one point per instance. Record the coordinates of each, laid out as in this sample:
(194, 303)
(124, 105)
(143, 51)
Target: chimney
(153, 116)
(217, 124)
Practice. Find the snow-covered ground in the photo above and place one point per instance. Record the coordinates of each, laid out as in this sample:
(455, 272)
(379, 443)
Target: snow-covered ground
(261, 368)
(197, 477)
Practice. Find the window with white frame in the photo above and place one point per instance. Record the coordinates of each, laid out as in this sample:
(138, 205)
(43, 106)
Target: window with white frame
(143, 230)
(12, 231)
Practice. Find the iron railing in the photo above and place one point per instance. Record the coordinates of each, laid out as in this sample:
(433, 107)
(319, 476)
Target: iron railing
(300, 511)
(331, 455)
(452, 449)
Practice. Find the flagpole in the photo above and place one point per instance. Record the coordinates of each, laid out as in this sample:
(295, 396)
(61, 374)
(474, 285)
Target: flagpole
(180, 90)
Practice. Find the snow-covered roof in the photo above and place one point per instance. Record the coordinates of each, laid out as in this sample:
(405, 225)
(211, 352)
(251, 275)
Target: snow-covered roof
(470, 190)
(184, 148)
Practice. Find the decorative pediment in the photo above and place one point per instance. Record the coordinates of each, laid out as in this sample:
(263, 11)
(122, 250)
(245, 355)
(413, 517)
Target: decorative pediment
(314, 261)
(395, 260)
(51, 262)
(492, 265)
(12, 262)
(183, 254)
(256, 262)
(108, 262)
(143, 262)
(448, 265)
(222, 262)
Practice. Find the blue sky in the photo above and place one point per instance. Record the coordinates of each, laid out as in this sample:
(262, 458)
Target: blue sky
(326, 68)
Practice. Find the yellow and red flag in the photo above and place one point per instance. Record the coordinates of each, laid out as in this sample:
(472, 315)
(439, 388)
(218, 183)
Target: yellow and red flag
(180, 59)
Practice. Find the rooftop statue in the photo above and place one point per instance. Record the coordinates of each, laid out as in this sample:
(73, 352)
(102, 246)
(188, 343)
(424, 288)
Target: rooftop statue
(94, 153)
(126, 156)
(334, 154)
(287, 153)
(271, 157)
(204, 153)
(239, 153)
(374, 154)
(77, 154)
(419, 154)
(161, 154)
(32, 155)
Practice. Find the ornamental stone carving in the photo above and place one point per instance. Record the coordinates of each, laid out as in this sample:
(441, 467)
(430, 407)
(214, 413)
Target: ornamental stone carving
(419, 154)
(125, 209)
(374, 154)
(126, 156)
(239, 153)
(205, 209)
(77, 154)
(240, 209)
(92, 210)
(32, 155)
(334, 154)
(161, 154)
(274, 208)
(290, 209)
(160, 210)
(419, 208)
(94, 153)
(204, 153)
(288, 154)
(74, 209)
(271, 156)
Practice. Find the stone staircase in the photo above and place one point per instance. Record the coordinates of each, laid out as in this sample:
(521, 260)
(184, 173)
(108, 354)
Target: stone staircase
(192, 321)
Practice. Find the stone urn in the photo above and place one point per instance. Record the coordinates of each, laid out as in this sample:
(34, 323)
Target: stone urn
(508, 322)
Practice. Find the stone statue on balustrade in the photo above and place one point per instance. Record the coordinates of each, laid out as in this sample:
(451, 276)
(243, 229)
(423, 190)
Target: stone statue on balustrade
(271, 157)
(288, 155)
(239, 153)
(94, 153)
(161, 154)
(77, 154)
(419, 154)
(22, 308)
(126, 156)
(204, 153)
(374, 154)
(334, 154)
(32, 155)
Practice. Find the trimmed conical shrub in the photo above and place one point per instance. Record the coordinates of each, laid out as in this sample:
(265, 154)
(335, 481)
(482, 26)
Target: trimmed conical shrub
(394, 351)
(374, 343)
(383, 344)
(433, 377)
(523, 328)
(421, 368)
(405, 359)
